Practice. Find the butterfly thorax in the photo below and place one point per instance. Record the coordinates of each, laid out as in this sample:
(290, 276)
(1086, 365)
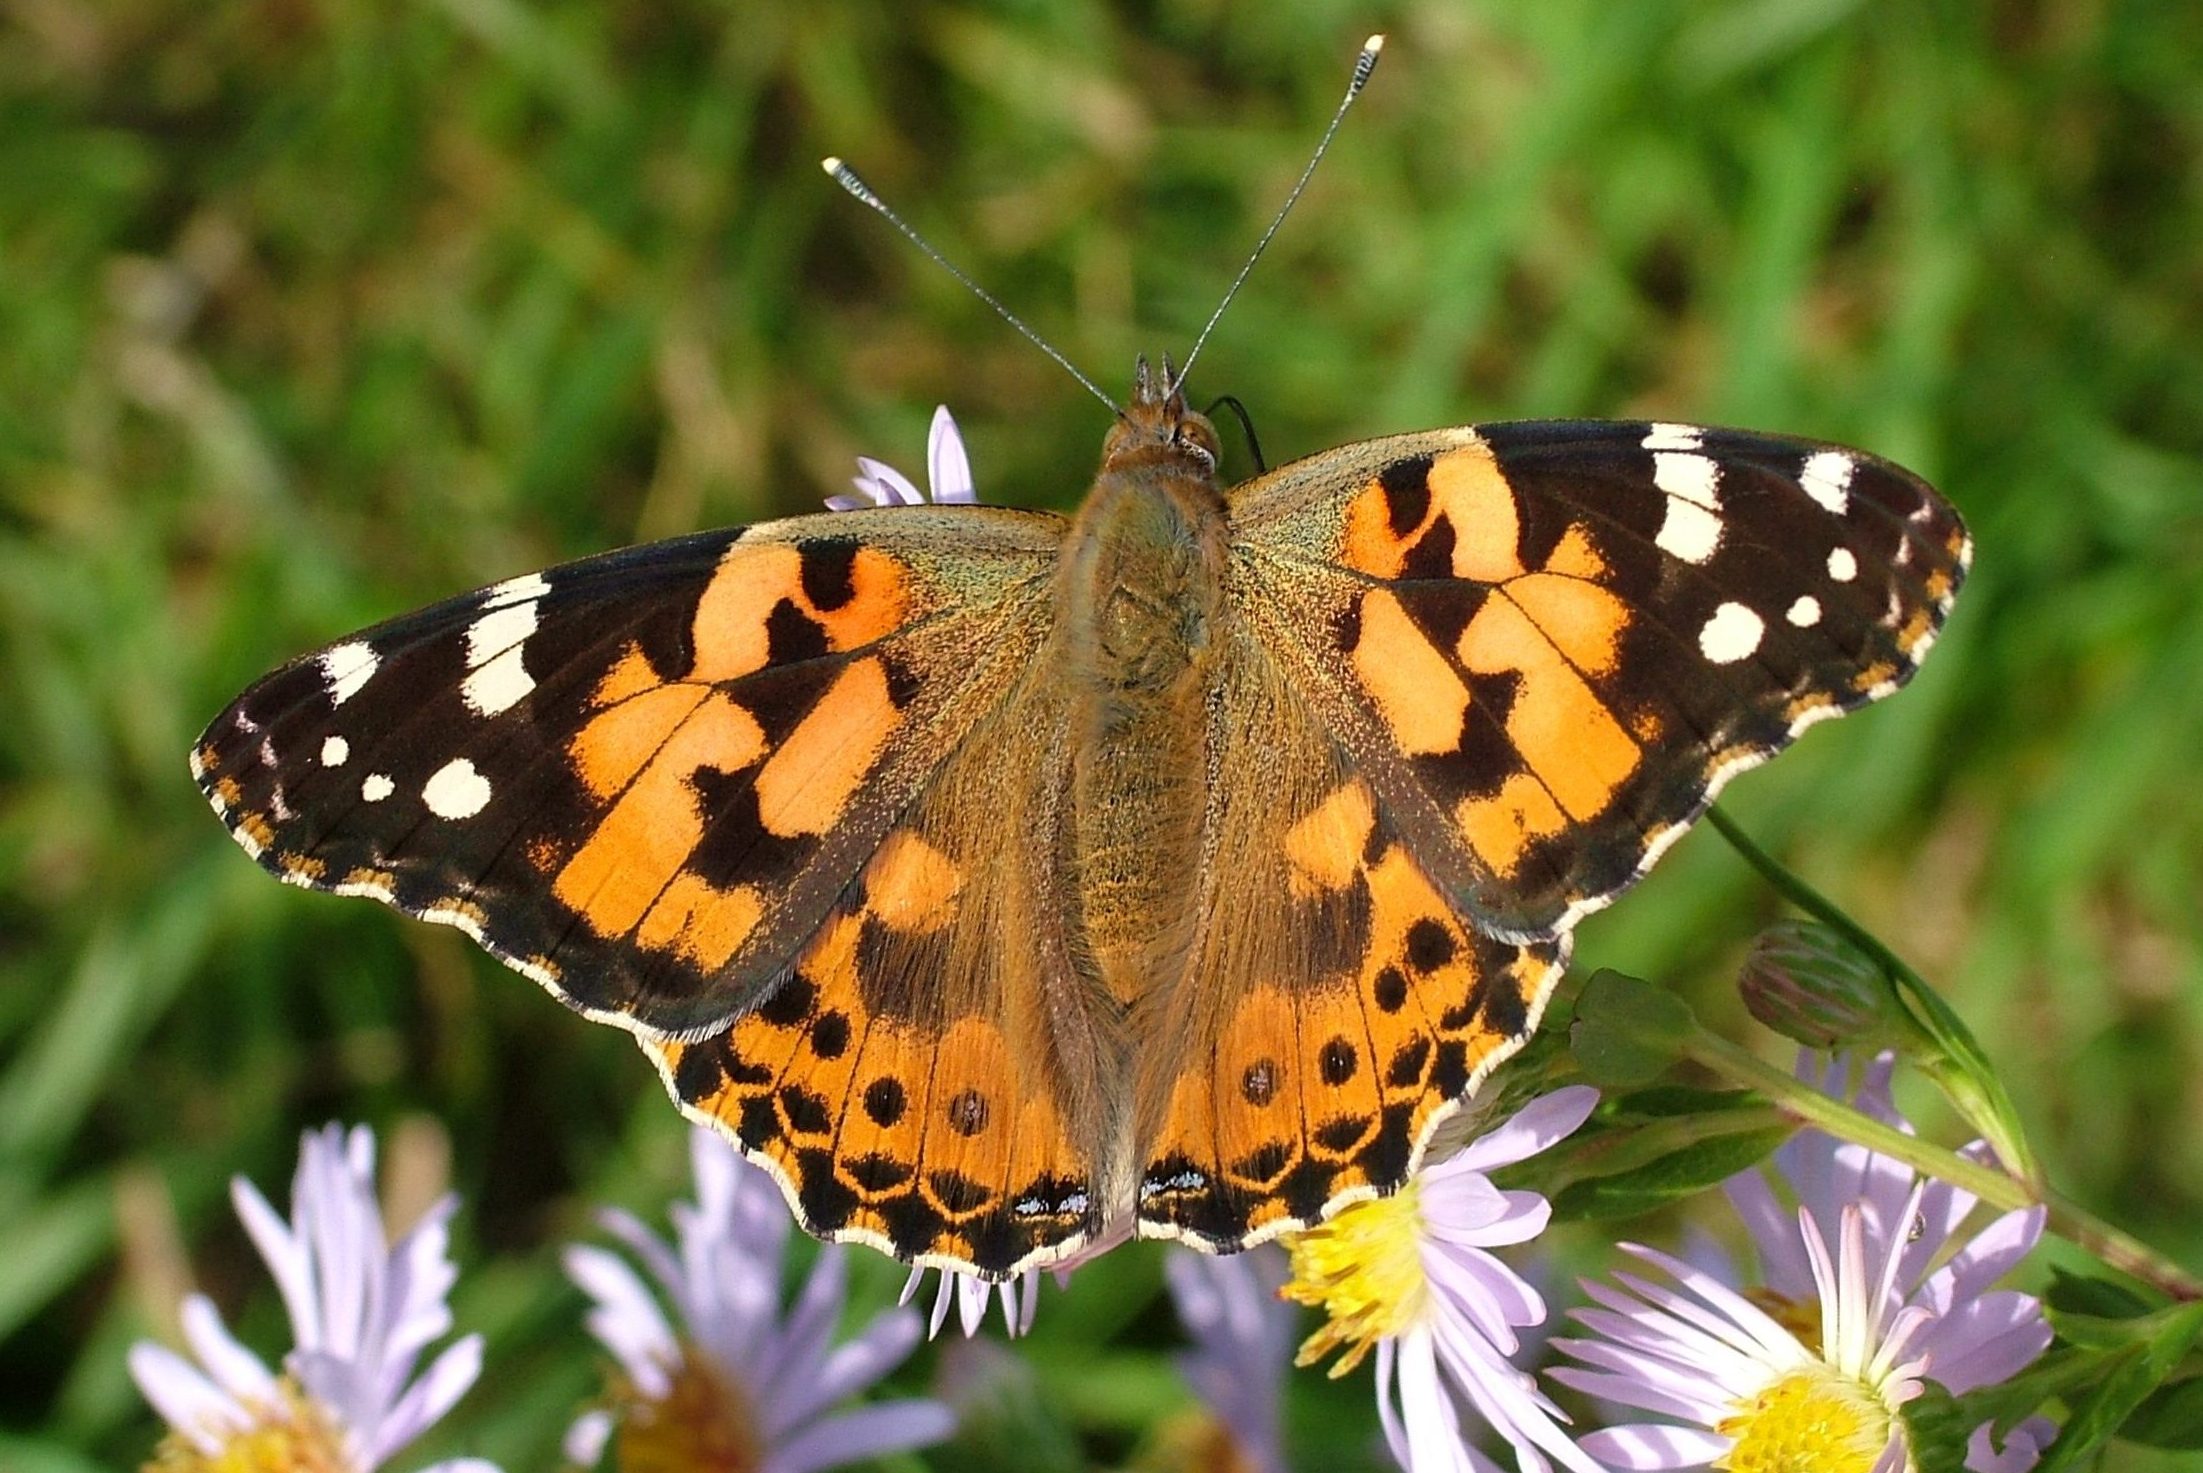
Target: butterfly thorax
(1138, 597)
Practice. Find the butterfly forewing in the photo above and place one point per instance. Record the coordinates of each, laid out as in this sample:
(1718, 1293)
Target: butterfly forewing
(644, 778)
(1549, 644)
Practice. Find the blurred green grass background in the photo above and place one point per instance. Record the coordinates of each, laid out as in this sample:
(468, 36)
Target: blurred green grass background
(312, 311)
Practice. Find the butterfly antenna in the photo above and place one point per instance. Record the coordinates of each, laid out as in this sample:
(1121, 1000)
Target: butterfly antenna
(847, 178)
(1364, 64)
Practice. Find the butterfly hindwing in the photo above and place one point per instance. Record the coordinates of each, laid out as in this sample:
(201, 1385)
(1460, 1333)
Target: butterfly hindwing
(933, 1077)
(1547, 645)
(1332, 1008)
(644, 778)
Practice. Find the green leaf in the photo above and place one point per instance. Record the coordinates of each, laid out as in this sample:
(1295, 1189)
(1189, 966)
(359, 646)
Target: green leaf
(1683, 1173)
(2129, 1376)
(2055, 1376)
(2072, 1293)
(1628, 1031)
(2169, 1417)
(1936, 1428)
(1662, 1101)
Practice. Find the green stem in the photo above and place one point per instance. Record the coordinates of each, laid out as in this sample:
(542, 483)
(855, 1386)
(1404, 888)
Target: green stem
(1794, 1098)
(2121, 1249)
(1806, 898)
(2076, 1225)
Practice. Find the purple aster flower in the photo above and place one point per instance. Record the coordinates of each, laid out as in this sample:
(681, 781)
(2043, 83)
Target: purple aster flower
(948, 474)
(969, 1294)
(1019, 1295)
(1412, 1276)
(1871, 1287)
(361, 1310)
(728, 1381)
(1242, 1329)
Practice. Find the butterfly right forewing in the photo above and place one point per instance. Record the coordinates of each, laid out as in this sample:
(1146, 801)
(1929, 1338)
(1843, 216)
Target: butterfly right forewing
(1548, 645)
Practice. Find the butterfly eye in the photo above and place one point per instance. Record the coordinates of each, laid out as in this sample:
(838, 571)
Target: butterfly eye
(1196, 438)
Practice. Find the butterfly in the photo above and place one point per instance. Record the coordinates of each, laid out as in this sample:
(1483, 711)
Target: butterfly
(997, 879)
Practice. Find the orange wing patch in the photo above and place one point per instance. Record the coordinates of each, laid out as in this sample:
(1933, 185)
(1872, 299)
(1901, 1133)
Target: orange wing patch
(628, 877)
(1464, 492)
(1501, 677)
(847, 604)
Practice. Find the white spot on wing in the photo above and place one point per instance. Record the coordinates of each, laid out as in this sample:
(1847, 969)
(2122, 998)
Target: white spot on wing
(377, 787)
(1827, 479)
(525, 588)
(1813, 716)
(1806, 612)
(1688, 531)
(345, 668)
(1731, 634)
(1674, 437)
(499, 685)
(456, 790)
(334, 750)
(377, 887)
(1842, 566)
(498, 631)
(1692, 477)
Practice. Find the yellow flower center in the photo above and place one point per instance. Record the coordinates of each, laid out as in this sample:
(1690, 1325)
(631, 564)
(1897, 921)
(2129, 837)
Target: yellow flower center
(1813, 1420)
(703, 1424)
(296, 1436)
(1364, 1269)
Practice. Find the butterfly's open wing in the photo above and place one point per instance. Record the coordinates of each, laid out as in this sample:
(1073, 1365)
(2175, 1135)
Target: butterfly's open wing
(1332, 1007)
(1547, 645)
(643, 779)
(933, 1078)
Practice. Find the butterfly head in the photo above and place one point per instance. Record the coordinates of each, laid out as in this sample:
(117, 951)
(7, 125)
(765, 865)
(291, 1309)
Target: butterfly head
(1157, 429)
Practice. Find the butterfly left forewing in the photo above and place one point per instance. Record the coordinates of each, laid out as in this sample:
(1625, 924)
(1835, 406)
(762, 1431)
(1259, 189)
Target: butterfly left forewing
(1547, 645)
(642, 779)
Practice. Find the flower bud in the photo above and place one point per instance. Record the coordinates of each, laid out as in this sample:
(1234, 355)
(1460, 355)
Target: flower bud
(1808, 983)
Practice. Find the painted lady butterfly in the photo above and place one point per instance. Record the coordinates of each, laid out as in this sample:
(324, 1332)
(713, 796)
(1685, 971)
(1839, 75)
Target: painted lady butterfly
(994, 877)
